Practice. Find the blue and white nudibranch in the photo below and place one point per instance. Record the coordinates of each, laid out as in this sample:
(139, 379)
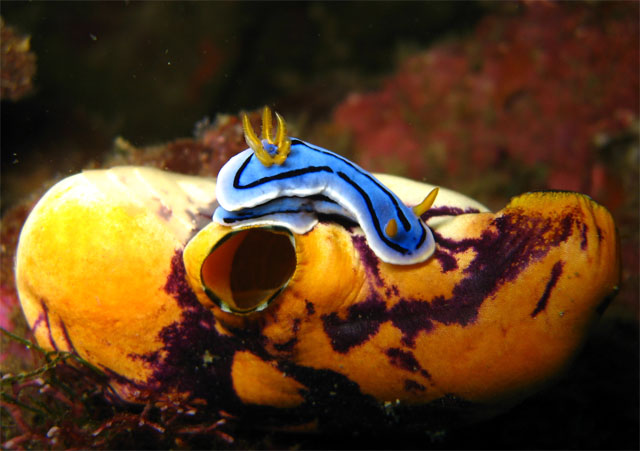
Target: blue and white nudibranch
(286, 182)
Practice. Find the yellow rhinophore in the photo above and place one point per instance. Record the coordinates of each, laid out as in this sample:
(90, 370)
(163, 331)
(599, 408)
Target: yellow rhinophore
(281, 142)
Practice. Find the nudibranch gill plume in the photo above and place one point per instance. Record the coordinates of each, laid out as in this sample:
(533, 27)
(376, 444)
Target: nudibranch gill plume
(282, 181)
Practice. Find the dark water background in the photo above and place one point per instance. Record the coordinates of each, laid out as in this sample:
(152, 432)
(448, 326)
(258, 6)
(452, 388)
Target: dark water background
(150, 71)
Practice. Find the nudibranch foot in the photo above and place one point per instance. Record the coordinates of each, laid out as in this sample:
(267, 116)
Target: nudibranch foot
(298, 214)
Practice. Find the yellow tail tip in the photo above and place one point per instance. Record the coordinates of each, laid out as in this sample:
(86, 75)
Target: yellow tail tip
(428, 201)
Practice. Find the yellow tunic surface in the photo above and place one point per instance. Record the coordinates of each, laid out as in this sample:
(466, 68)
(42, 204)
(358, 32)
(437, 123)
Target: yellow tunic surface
(110, 266)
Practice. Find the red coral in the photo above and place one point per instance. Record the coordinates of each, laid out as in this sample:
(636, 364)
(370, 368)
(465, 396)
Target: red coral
(538, 87)
(226, 137)
(12, 355)
(214, 144)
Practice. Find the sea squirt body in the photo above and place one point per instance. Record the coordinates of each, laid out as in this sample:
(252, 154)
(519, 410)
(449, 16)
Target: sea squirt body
(124, 268)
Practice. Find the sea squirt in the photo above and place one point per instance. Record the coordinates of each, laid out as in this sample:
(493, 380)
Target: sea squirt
(124, 267)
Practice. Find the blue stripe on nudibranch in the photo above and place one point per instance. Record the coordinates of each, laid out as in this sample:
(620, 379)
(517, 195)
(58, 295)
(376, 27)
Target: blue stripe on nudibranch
(250, 193)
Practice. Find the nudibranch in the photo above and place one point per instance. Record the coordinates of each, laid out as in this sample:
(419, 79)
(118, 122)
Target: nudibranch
(122, 266)
(282, 181)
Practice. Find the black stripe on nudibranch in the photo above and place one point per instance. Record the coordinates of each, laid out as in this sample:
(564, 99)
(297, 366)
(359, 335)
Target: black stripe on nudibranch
(375, 220)
(282, 176)
(246, 216)
(365, 196)
(381, 187)
(313, 169)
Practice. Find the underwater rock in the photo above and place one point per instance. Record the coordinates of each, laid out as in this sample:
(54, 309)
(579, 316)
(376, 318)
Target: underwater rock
(125, 268)
(18, 64)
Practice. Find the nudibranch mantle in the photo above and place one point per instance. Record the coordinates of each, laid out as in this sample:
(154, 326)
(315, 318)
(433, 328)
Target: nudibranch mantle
(311, 180)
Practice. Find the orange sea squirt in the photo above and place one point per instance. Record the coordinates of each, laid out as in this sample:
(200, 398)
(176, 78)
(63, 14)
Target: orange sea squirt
(116, 266)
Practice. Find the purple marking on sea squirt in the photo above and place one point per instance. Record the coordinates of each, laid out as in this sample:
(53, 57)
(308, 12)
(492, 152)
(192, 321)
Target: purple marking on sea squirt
(45, 309)
(502, 252)
(391, 290)
(411, 385)
(363, 320)
(501, 256)
(368, 257)
(556, 272)
(447, 211)
(177, 285)
(39, 320)
(411, 317)
(371, 261)
(201, 217)
(311, 309)
(406, 360)
(196, 359)
(164, 212)
(583, 243)
(446, 260)
(288, 345)
(65, 334)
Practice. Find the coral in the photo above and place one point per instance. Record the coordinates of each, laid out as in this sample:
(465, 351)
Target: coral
(536, 88)
(13, 356)
(63, 403)
(18, 64)
(204, 155)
